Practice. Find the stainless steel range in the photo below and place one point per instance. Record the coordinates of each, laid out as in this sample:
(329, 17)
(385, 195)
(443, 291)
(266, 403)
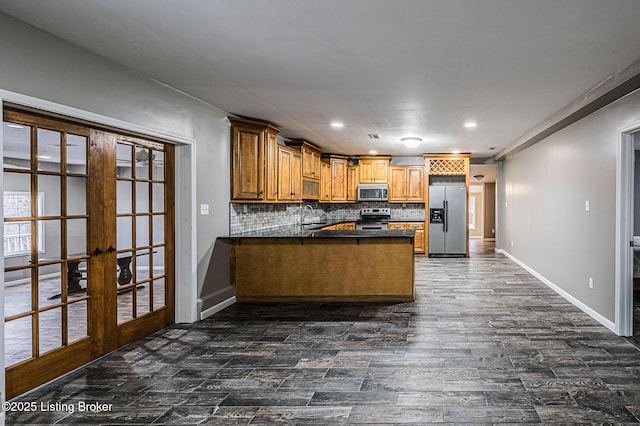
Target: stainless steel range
(374, 218)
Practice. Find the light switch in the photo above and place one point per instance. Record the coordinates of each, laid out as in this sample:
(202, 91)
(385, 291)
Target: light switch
(587, 206)
(204, 209)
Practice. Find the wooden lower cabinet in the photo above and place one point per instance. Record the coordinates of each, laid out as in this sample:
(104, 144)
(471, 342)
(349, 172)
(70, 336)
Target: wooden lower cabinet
(372, 269)
(419, 239)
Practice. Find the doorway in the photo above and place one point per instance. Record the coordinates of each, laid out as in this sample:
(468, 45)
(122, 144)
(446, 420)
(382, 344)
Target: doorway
(476, 209)
(88, 244)
(636, 237)
(627, 259)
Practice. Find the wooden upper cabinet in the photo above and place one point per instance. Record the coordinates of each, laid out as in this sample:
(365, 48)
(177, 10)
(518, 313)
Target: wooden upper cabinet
(296, 177)
(310, 158)
(448, 165)
(415, 183)
(373, 169)
(310, 168)
(338, 178)
(271, 166)
(352, 183)
(289, 174)
(406, 183)
(325, 181)
(250, 180)
(397, 183)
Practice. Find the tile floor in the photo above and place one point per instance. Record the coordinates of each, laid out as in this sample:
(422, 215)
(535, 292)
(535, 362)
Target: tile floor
(484, 343)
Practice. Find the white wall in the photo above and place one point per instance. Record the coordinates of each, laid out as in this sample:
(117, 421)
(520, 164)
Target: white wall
(34, 64)
(544, 224)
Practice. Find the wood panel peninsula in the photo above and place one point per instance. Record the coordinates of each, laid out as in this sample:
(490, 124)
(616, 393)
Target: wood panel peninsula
(324, 266)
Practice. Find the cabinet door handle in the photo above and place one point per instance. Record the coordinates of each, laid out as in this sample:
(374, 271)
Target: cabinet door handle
(97, 251)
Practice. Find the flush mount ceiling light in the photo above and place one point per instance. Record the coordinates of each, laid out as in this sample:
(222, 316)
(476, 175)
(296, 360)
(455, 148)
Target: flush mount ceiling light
(337, 124)
(470, 124)
(411, 142)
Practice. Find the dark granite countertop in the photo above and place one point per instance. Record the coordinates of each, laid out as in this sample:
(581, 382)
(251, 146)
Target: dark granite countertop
(296, 232)
(316, 225)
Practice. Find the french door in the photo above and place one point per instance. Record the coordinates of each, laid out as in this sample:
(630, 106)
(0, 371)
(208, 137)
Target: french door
(88, 244)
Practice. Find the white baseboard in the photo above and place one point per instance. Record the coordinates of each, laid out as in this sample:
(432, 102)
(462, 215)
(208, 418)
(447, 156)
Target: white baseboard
(586, 309)
(217, 308)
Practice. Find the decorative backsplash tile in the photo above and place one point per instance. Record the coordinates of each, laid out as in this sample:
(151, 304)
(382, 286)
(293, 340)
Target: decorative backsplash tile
(251, 217)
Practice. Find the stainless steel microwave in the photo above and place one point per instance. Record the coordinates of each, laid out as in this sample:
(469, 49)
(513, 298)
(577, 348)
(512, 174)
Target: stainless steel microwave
(373, 192)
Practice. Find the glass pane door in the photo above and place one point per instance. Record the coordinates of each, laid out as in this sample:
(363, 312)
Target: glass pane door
(140, 225)
(45, 237)
(88, 244)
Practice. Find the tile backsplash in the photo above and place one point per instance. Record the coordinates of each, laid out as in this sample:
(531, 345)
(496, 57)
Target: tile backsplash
(249, 217)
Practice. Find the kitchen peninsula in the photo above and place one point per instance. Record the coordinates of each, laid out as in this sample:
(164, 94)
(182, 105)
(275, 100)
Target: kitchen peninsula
(292, 265)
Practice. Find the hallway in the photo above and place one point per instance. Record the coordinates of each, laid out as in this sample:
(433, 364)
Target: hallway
(484, 342)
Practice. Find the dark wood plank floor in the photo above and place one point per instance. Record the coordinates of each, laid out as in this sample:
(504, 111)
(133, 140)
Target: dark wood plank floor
(484, 343)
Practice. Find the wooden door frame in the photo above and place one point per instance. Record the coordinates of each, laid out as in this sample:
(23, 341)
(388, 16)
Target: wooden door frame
(185, 214)
(625, 193)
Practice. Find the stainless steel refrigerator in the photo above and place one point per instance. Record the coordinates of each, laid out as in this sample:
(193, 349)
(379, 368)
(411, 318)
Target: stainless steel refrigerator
(448, 220)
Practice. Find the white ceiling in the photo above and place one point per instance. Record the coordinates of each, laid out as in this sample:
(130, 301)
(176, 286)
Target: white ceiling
(394, 68)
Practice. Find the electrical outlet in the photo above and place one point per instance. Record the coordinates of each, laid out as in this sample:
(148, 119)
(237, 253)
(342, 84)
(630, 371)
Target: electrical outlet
(590, 282)
(511, 243)
(245, 209)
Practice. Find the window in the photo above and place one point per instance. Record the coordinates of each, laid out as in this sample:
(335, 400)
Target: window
(472, 213)
(17, 235)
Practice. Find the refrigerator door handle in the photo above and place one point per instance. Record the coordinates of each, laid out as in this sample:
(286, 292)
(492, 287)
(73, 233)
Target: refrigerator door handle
(446, 216)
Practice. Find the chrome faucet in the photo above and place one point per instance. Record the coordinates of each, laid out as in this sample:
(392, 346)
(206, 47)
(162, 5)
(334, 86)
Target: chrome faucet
(310, 208)
(302, 210)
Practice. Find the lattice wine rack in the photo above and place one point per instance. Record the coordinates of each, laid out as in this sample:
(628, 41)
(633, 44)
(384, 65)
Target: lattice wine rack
(447, 167)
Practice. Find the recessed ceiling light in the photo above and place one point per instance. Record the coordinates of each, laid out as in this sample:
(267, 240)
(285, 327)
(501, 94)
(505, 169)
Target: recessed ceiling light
(470, 124)
(374, 136)
(337, 124)
(373, 152)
